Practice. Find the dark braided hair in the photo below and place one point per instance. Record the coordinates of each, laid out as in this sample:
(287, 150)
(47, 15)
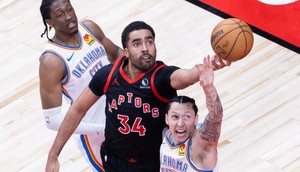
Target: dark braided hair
(45, 9)
(183, 99)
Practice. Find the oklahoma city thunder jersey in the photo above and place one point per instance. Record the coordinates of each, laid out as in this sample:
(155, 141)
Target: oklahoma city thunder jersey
(176, 157)
(81, 63)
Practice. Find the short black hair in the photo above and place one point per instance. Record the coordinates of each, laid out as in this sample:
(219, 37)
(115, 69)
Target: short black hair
(136, 25)
(183, 99)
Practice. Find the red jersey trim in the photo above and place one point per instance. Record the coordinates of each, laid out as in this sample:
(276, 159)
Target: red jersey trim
(111, 73)
(153, 85)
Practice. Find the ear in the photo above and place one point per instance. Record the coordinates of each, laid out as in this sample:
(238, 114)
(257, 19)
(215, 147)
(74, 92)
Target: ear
(49, 22)
(166, 119)
(126, 52)
(196, 119)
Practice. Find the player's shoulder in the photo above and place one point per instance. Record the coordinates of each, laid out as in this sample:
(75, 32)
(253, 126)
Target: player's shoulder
(89, 24)
(94, 28)
(104, 71)
(50, 58)
(51, 63)
(163, 68)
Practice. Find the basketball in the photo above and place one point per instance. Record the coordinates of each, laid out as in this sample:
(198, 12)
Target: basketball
(232, 39)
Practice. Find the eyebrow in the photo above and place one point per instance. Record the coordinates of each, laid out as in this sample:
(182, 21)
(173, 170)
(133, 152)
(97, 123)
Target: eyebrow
(139, 39)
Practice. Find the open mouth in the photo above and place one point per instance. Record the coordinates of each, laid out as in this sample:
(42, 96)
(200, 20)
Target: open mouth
(146, 57)
(180, 133)
(71, 25)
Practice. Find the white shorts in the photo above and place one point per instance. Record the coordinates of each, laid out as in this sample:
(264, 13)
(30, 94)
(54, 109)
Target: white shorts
(89, 147)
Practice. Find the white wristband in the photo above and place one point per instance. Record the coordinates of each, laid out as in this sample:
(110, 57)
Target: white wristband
(54, 117)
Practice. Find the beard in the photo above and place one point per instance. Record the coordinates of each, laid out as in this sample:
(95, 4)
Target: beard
(146, 65)
(142, 63)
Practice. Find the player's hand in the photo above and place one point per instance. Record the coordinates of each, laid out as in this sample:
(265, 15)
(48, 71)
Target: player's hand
(206, 73)
(219, 63)
(52, 165)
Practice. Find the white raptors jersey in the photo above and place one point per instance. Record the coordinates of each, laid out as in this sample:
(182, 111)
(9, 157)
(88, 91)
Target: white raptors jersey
(81, 63)
(176, 158)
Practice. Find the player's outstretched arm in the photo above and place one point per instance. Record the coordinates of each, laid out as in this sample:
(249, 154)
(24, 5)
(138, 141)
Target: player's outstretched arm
(210, 130)
(68, 126)
(183, 78)
(205, 139)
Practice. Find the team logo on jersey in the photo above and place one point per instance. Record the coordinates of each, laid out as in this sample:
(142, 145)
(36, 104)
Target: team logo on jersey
(115, 81)
(181, 149)
(88, 39)
(145, 84)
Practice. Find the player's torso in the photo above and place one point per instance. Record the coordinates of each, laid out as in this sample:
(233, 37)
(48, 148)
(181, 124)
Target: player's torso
(173, 157)
(81, 63)
(134, 115)
(176, 157)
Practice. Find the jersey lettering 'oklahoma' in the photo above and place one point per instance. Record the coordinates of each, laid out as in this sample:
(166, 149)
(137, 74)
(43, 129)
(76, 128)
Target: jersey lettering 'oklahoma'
(88, 60)
(169, 164)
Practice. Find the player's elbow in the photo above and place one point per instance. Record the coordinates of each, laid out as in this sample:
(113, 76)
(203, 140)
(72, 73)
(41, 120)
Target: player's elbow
(53, 118)
(51, 125)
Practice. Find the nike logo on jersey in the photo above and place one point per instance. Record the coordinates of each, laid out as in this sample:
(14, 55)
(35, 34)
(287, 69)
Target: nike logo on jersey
(69, 58)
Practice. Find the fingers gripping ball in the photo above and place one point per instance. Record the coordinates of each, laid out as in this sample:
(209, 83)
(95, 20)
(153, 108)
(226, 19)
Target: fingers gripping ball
(232, 39)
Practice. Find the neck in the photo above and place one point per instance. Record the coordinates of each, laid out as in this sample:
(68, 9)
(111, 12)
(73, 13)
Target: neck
(174, 142)
(67, 39)
(131, 72)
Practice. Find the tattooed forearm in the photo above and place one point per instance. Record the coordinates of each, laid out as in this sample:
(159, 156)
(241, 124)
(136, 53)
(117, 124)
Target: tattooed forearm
(213, 102)
(212, 123)
(210, 130)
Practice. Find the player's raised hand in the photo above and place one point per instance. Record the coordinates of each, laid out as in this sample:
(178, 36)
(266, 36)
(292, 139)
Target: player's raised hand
(219, 63)
(206, 77)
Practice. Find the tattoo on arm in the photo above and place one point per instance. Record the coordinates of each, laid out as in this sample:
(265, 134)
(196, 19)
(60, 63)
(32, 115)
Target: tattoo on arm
(212, 124)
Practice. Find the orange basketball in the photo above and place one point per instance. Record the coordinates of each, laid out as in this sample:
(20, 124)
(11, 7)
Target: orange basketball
(232, 39)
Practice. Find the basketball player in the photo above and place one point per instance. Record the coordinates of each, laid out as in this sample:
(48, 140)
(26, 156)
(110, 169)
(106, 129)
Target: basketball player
(187, 148)
(70, 59)
(137, 89)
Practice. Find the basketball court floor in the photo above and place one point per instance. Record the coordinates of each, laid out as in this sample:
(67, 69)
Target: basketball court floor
(260, 94)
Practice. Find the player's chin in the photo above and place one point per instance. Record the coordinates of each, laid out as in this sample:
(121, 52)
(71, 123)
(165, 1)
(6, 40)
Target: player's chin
(147, 65)
(74, 31)
(181, 136)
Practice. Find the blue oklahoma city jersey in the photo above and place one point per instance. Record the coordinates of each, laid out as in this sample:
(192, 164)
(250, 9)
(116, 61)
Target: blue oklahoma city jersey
(81, 63)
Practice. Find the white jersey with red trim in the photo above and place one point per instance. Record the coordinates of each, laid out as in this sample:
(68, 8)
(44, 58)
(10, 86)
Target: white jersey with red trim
(81, 63)
(176, 157)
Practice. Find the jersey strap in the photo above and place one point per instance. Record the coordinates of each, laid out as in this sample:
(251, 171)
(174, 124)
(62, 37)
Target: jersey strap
(153, 85)
(116, 64)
